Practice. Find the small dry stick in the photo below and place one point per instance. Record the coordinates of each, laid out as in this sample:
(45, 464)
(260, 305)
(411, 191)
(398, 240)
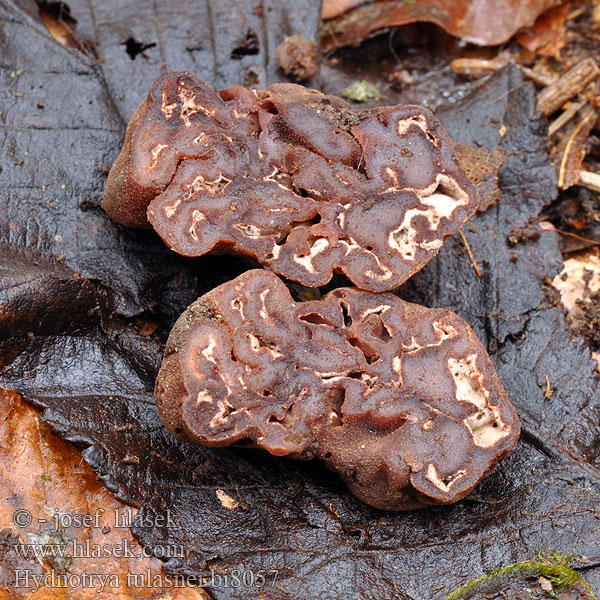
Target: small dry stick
(470, 253)
(577, 237)
(551, 98)
(589, 180)
(568, 172)
(537, 77)
(478, 67)
(565, 117)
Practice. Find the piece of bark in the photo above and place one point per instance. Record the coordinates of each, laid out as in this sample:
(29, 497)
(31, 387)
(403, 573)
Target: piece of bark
(575, 80)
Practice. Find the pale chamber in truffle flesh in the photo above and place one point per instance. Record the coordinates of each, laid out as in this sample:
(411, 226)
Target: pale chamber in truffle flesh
(401, 400)
(295, 179)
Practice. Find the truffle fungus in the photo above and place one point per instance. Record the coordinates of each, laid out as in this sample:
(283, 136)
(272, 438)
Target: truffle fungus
(298, 57)
(401, 400)
(288, 176)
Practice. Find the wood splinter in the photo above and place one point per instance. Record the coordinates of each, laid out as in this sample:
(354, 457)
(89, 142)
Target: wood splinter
(574, 152)
(565, 117)
(470, 253)
(575, 80)
(589, 180)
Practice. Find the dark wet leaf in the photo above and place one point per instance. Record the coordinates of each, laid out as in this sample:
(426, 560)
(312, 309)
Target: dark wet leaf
(64, 115)
(69, 277)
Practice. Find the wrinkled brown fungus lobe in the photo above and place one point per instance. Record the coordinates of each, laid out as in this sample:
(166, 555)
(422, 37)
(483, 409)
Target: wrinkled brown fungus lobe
(295, 179)
(401, 400)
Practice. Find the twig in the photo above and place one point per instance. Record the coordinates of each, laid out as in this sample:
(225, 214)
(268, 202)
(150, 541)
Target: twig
(589, 180)
(547, 389)
(568, 173)
(551, 98)
(479, 67)
(577, 237)
(565, 117)
(537, 77)
(476, 67)
(470, 253)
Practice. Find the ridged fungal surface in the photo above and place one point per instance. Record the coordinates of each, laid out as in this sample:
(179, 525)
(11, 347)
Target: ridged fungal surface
(294, 179)
(401, 400)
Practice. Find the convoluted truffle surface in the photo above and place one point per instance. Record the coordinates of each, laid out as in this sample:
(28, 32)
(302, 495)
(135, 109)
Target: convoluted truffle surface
(401, 400)
(295, 179)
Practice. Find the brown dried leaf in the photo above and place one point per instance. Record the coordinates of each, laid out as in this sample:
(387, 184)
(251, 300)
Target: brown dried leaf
(579, 279)
(42, 475)
(484, 22)
(547, 36)
(481, 167)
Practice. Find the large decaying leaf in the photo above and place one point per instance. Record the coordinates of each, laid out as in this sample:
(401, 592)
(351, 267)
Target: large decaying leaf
(69, 276)
(65, 112)
(484, 22)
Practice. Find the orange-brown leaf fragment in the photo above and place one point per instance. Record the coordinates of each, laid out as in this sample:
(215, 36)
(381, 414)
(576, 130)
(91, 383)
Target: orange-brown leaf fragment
(43, 478)
(481, 166)
(548, 34)
(484, 22)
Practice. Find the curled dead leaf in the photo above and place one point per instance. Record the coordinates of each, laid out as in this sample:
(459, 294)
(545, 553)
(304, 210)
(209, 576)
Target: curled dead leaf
(547, 36)
(484, 22)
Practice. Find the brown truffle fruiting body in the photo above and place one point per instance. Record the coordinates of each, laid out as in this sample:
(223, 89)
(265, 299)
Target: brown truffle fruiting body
(298, 57)
(292, 178)
(401, 400)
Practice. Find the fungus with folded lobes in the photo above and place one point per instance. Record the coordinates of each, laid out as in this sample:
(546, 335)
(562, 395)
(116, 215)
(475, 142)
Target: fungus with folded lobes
(291, 178)
(401, 400)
